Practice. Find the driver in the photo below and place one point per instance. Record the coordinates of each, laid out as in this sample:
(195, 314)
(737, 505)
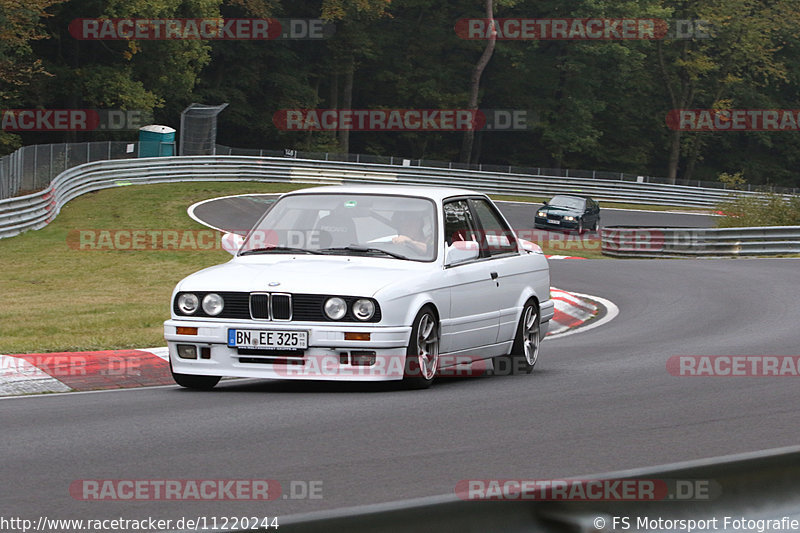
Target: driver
(410, 232)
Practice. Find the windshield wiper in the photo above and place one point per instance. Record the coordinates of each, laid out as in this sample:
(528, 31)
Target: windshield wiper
(279, 249)
(366, 249)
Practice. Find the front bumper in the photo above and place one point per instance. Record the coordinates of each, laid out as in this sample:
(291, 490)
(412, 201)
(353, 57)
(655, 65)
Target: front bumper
(328, 356)
(540, 222)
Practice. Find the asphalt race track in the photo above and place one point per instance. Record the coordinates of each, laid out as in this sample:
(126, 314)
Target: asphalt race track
(240, 213)
(598, 401)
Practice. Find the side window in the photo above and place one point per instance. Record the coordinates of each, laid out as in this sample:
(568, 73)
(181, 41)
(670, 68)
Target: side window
(458, 223)
(499, 237)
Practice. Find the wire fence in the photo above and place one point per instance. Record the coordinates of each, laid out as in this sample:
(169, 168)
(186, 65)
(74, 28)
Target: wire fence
(508, 169)
(32, 168)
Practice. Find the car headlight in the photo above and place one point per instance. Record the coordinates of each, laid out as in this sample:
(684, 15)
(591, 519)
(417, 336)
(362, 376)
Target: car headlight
(363, 309)
(335, 308)
(188, 303)
(569, 218)
(213, 304)
(541, 214)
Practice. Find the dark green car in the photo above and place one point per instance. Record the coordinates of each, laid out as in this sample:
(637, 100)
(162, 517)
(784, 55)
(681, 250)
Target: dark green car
(568, 212)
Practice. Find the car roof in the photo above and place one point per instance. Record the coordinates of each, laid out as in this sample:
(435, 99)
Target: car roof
(581, 196)
(433, 193)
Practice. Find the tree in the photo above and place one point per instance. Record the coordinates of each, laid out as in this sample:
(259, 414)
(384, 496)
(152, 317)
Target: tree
(20, 25)
(745, 36)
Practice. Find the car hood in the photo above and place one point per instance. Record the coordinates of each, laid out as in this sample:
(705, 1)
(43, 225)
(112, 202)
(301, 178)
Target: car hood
(347, 275)
(560, 210)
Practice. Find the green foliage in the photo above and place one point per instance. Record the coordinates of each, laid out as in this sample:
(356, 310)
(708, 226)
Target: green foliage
(592, 104)
(732, 181)
(764, 209)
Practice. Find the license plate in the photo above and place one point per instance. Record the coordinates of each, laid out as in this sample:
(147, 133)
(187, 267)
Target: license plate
(259, 338)
(552, 221)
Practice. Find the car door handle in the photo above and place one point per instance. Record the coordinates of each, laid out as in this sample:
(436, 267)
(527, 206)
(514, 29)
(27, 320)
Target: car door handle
(493, 274)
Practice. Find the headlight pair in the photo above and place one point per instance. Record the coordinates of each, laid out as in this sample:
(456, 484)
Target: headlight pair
(336, 308)
(213, 304)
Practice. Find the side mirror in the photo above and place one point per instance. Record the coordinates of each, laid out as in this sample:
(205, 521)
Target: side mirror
(461, 251)
(231, 242)
(544, 202)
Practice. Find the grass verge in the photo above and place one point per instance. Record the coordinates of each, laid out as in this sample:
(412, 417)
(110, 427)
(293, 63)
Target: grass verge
(58, 298)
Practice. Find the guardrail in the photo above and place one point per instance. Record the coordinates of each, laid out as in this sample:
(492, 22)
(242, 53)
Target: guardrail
(36, 210)
(753, 486)
(33, 167)
(620, 241)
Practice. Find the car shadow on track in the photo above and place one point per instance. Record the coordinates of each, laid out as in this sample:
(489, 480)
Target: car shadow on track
(253, 385)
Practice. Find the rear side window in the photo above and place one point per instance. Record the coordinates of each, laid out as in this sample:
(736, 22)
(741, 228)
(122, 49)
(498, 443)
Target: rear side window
(499, 237)
(458, 222)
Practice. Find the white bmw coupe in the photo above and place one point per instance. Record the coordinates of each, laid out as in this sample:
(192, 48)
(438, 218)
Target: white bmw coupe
(365, 283)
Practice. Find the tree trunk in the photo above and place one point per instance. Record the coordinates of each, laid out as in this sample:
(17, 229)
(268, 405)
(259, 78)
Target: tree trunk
(693, 157)
(674, 156)
(347, 101)
(475, 82)
(333, 99)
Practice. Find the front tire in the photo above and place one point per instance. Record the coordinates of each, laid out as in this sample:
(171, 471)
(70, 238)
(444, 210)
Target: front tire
(422, 354)
(191, 381)
(525, 351)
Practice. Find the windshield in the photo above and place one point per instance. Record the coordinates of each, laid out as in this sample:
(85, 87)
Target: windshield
(568, 201)
(347, 224)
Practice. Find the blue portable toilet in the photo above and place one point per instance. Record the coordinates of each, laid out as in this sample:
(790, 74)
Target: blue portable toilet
(156, 141)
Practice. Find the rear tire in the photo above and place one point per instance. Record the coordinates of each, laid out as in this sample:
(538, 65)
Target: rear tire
(525, 351)
(422, 354)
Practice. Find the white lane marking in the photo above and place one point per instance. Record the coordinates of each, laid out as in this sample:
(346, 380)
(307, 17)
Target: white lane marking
(87, 392)
(195, 205)
(611, 313)
(132, 389)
